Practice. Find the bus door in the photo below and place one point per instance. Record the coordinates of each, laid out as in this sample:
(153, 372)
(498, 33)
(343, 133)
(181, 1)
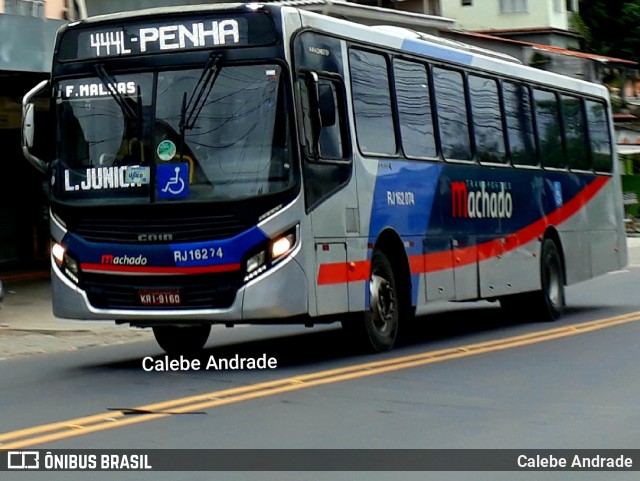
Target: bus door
(331, 199)
(330, 191)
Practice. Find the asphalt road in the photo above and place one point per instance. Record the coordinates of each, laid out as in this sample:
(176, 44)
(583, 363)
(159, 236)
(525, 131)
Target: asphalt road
(471, 377)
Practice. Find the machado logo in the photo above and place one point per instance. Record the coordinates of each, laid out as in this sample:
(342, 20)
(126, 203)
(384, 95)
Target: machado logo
(485, 200)
(111, 260)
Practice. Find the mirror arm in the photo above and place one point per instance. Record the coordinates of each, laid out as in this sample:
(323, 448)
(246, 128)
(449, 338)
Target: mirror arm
(26, 105)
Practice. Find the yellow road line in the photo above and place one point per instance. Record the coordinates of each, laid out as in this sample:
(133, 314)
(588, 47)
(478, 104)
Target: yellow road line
(109, 420)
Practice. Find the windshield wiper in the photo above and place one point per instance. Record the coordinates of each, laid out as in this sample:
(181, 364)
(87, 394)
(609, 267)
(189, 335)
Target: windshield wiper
(133, 115)
(190, 110)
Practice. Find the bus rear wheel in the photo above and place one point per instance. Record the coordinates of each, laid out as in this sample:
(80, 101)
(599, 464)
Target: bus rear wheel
(550, 299)
(177, 340)
(546, 304)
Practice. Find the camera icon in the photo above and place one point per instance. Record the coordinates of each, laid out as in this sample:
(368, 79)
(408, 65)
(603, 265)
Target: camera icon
(23, 460)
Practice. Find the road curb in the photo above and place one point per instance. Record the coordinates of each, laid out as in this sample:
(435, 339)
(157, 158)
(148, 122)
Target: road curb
(25, 276)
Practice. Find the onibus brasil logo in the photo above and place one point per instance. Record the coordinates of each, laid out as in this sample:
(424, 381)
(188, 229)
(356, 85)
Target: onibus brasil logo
(481, 200)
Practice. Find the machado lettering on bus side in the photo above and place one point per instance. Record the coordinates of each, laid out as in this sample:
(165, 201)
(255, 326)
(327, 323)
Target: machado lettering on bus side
(481, 200)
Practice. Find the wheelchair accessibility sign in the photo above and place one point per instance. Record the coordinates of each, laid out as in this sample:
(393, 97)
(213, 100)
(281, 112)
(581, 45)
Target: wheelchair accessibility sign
(173, 181)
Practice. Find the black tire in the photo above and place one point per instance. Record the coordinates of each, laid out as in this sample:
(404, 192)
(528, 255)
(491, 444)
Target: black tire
(547, 304)
(176, 340)
(550, 299)
(377, 329)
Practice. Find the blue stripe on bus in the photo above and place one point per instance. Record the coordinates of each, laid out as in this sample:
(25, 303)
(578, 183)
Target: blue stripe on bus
(436, 51)
(435, 202)
(403, 201)
(179, 255)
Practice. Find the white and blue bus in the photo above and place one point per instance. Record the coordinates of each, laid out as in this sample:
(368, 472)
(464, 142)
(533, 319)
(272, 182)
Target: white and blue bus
(250, 163)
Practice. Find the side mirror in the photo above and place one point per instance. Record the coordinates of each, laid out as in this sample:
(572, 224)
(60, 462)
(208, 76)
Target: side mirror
(28, 125)
(308, 115)
(327, 105)
(317, 110)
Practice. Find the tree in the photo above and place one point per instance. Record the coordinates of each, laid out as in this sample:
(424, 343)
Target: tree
(611, 27)
(630, 39)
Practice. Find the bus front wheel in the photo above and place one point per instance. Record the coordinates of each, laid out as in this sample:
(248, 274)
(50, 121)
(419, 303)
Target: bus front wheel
(177, 340)
(377, 330)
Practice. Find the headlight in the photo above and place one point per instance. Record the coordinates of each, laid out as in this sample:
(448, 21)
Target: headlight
(277, 249)
(65, 262)
(282, 245)
(58, 250)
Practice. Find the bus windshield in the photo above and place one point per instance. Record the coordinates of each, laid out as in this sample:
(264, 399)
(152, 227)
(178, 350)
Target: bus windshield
(172, 137)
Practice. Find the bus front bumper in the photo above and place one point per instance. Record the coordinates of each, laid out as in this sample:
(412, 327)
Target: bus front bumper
(278, 294)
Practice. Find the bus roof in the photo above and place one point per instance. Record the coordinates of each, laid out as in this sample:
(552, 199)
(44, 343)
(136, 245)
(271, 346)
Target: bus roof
(431, 47)
(395, 38)
(173, 10)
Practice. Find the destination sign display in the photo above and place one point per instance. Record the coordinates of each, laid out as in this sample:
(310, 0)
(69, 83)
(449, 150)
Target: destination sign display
(151, 37)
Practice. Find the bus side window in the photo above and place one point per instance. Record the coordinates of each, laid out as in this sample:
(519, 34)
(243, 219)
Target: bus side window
(575, 133)
(599, 136)
(372, 103)
(487, 120)
(452, 114)
(519, 117)
(548, 128)
(414, 109)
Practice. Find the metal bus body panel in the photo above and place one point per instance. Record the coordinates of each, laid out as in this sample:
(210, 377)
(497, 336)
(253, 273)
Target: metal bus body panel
(473, 250)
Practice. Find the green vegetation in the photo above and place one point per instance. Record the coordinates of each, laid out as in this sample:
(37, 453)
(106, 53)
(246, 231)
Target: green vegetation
(610, 27)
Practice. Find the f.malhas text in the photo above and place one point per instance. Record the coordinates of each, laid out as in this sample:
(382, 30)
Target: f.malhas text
(483, 202)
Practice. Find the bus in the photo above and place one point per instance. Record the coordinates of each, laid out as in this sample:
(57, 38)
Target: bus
(257, 163)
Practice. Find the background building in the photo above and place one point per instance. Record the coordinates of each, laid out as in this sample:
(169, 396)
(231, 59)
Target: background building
(539, 21)
(27, 31)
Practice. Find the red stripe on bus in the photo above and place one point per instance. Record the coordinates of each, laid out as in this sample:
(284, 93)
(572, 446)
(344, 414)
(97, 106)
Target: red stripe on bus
(487, 250)
(343, 272)
(338, 273)
(102, 268)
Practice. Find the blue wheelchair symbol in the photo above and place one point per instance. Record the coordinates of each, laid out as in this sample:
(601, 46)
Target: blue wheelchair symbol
(173, 181)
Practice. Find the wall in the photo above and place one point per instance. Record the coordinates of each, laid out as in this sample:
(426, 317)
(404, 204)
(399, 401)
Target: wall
(485, 15)
(101, 7)
(54, 9)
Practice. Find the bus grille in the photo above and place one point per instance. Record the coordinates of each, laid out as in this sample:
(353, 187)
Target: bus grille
(196, 292)
(180, 229)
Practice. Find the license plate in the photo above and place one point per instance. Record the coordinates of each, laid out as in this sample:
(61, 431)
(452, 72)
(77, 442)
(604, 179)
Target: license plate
(165, 297)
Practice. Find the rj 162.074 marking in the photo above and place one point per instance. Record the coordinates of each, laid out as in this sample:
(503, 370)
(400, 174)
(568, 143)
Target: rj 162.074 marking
(203, 254)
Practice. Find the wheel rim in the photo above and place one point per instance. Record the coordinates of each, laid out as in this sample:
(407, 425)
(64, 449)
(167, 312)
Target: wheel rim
(383, 304)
